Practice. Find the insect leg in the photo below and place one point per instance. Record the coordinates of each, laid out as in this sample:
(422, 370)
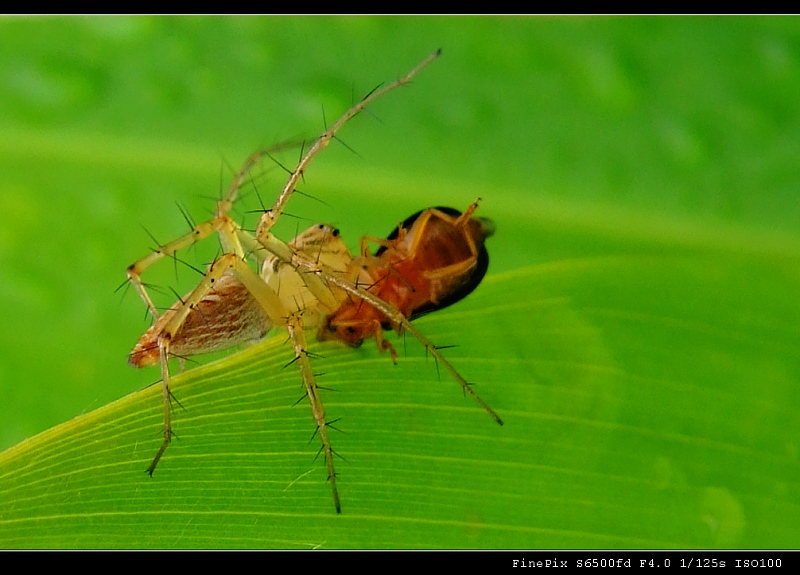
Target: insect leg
(381, 242)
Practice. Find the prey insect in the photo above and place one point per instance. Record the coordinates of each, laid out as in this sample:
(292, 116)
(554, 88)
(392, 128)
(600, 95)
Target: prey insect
(312, 283)
(432, 260)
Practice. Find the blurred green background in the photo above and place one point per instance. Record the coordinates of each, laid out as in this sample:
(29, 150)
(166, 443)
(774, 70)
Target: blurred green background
(644, 170)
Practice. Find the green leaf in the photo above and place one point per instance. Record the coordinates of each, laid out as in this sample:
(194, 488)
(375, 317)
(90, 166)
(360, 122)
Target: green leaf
(637, 330)
(638, 413)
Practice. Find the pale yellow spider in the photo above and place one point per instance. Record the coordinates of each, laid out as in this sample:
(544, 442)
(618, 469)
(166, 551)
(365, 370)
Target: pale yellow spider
(298, 286)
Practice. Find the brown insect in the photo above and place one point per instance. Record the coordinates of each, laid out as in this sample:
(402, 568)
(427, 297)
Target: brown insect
(433, 259)
(430, 261)
(313, 283)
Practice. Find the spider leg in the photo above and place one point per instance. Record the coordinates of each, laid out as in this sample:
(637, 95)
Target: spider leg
(222, 224)
(326, 281)
(164, 353)
(260, 291)
(321, 283)
(274, 307)
(271, 216)
(298, 337)
(231, 235)
(404, 325)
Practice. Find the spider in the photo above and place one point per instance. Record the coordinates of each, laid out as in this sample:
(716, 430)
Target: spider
(311, 283)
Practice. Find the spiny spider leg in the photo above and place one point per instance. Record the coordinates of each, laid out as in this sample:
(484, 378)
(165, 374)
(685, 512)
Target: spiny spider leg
(433, 259)
(233, 304)
(231, 235)
(325, 138)
(398, 319)
(295, 327)
(231, 265)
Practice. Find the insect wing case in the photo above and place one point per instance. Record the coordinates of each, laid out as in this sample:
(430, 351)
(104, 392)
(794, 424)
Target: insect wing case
(443, 262)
